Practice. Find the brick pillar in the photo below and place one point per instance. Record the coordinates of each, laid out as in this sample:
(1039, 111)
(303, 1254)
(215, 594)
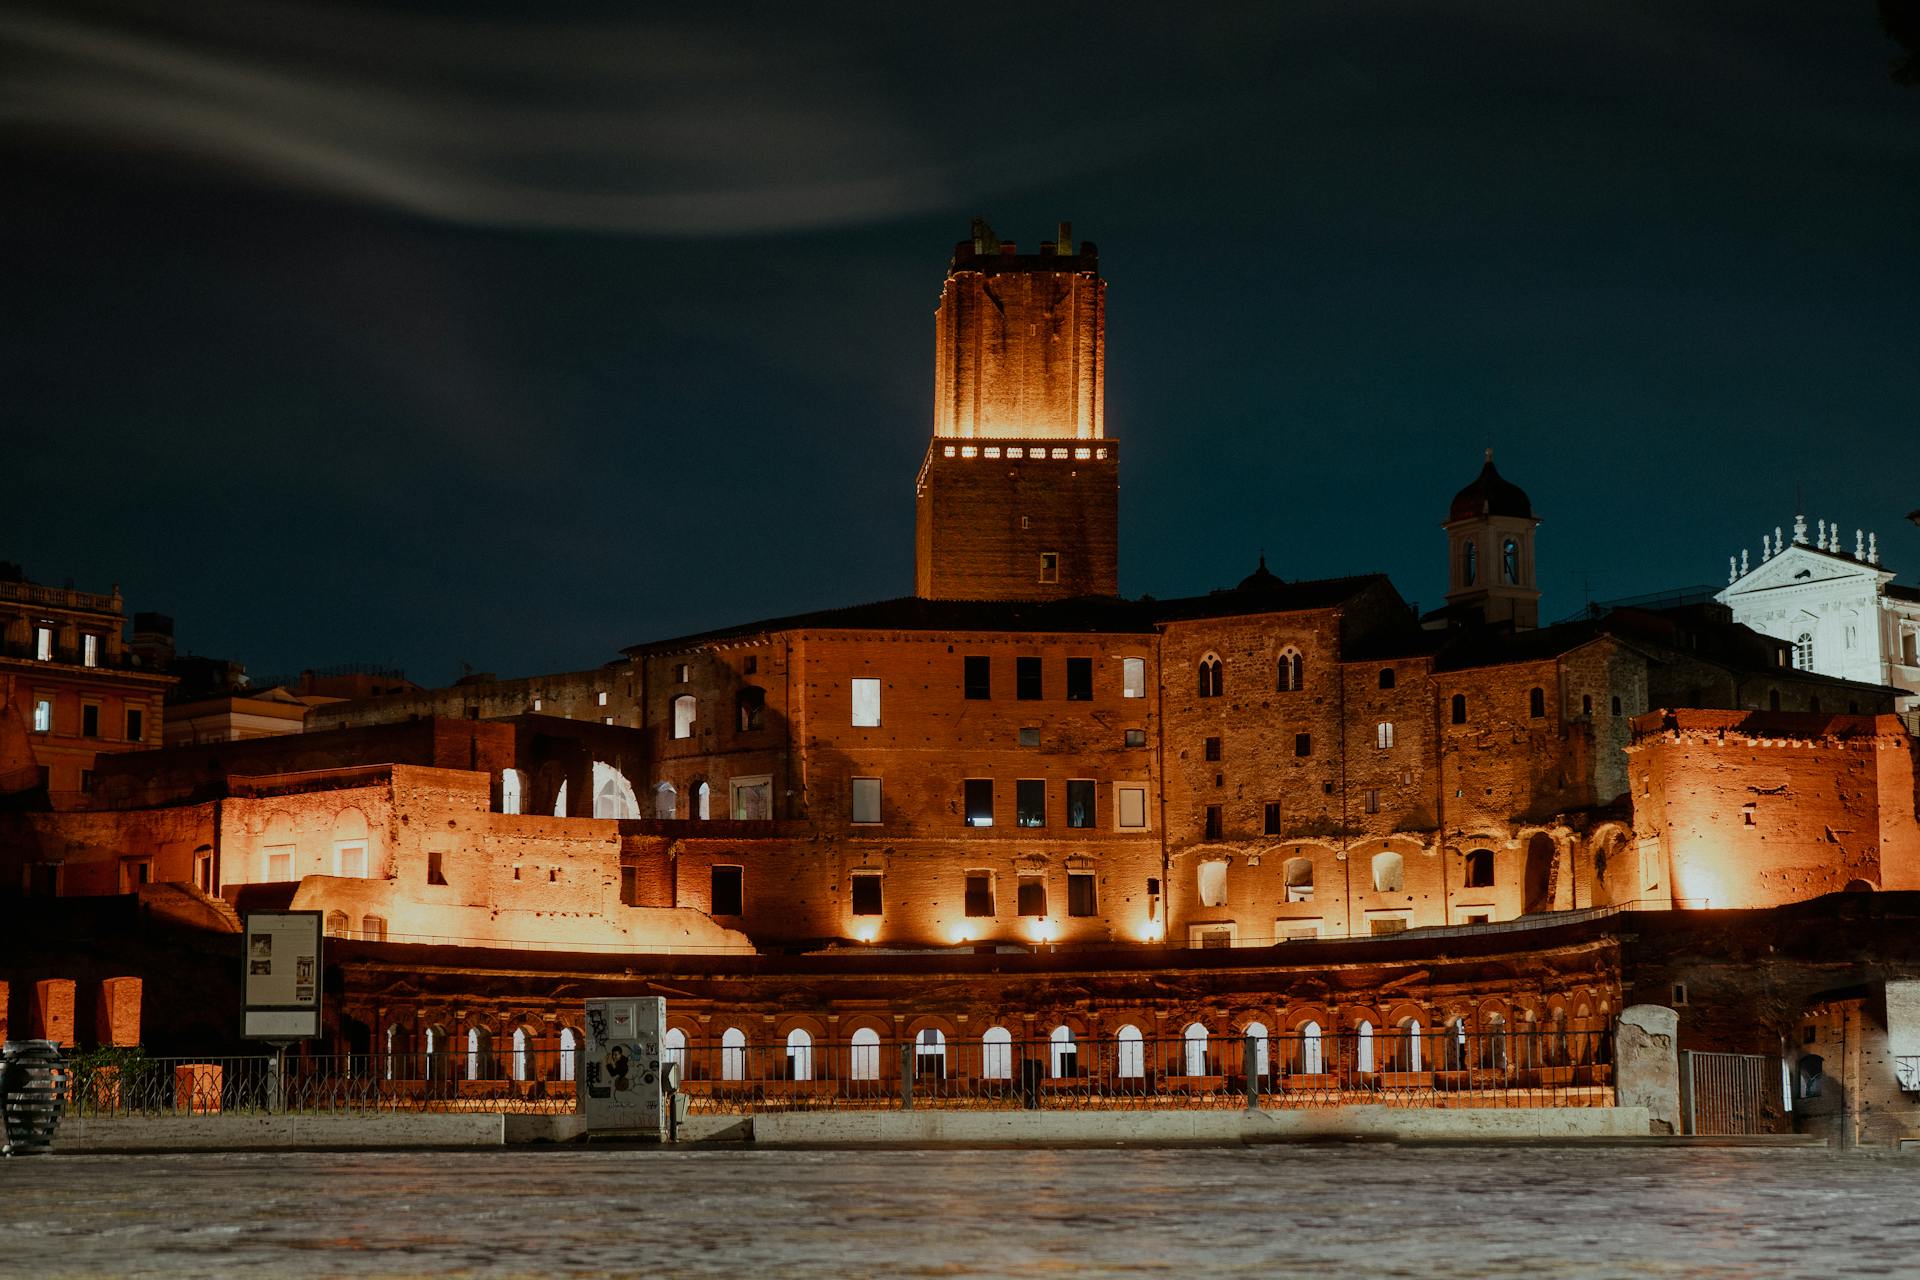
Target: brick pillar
(53, 1010)
(117, 1019)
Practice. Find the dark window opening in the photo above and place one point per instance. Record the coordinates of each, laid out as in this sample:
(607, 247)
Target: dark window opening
(1212, 678)
(1080, 894)
(1303, 744)
(630, 886)
(1271, 824)
(1080, 793)
(1026, 679)
(750, 666)
(751, 703)
(1030, 802)
(1616, 706)
(1033, 896)
(1213, 748)
(1459, 708)
(866, 895)
(1480, 869)
(726, 891)
(1386, 677)
(979, 678)
(979, 894)
(1079, 679)
(1536, 703)
(136, 726)
(1216, 822)
(89, 721)
(979, 802)
(436, 869)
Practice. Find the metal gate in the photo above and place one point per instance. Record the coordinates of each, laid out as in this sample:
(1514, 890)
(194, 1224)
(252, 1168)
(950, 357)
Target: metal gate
(1728, 1093)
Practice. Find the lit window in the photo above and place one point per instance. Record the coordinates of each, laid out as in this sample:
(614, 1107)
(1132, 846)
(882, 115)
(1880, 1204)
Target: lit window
(43, 715)
(509, 791)
(733, 1054)
(1389, 872)
(1213, 883)
(43, 643)
(799, 1055)
(1131, 806)
(1803, 651)
(1212, 677)
(1292, 671)
(1030, 802)
(1080, 794)
(90, 650)
(996, 1054)
(866, 703)
(866, 799)
(1049, 566)
(351, 860)
(600, 699)
(979, 793)
(864, 1054)
(866, 893)
(1130, 1061)
(279, 863)
(536, 704)
(1133, 677)
(1383, 734)
(684, 708)
(1299, 879)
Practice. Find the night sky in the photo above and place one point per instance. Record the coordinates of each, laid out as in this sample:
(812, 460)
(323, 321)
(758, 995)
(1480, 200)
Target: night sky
(426, 336)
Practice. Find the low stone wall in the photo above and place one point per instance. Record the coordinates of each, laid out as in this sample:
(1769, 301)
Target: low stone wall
(1395, 1124)
(281, 1132)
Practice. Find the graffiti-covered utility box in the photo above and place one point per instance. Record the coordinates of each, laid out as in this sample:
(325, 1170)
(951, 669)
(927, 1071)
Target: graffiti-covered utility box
(623, 1089)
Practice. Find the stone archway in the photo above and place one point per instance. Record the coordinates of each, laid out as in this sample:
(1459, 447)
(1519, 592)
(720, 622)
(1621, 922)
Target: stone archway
(1538, 884)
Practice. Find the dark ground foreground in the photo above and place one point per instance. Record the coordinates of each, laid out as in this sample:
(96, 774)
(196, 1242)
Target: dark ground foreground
(1307, 1211)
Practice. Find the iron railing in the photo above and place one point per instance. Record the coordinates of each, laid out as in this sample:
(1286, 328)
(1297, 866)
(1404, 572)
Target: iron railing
(530, 1081)
(1434, 1067)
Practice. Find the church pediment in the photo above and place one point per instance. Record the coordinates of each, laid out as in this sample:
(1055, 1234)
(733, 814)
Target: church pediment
(1800, 566)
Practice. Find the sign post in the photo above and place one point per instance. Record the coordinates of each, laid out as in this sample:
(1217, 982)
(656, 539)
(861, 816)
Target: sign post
(280, 985)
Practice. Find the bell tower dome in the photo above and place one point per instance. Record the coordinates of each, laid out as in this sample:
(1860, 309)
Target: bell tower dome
(1490, 562)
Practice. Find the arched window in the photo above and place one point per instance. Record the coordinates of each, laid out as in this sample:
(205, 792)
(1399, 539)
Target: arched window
(1386, 677)
(396, 1049)
(1258, 1032)
(570, 1052)
(930, 1055)
(1803, 651)
(864, 1053)
(1480, 869)
(1212, 677)
(684, 709)
(1292, 671)
(1309, 1060)
(522, 1053)
(1493, 1042)
(1063, 1053)
(1470, 562)
(996, 1054)
(612, 794)
(479, 1054)
(675, 1050)
(1383, 734)
(1389, 872)
(560, 801)
(1299, 879)
(1510, 561)
(733, 1054)
(510, 790)
(373, 928)
(1453, 1047)
(1129, 1057)
(1536, 702)
(750, 708)
(1363, 1048)
(337, 925)
(702, 797)
(666, 801)
(436, 1053)
(1406, 1046)
(1459, 708)
(1193, 1050)
(799, 1055)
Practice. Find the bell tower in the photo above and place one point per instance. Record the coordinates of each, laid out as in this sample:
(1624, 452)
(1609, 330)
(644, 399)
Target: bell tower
(1019, 495)
(1490, 574)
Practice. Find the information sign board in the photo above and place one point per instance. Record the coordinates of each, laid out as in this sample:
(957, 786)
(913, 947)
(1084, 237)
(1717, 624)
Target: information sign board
(280, 976)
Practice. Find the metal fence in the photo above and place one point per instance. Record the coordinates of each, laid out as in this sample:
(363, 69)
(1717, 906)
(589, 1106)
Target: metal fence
(1730, 1093)
(1405, 1067)
(531, 1081)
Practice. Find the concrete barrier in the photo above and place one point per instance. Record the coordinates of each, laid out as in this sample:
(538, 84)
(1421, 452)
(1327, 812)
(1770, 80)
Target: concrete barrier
(281, 1132)
(1215, 1127)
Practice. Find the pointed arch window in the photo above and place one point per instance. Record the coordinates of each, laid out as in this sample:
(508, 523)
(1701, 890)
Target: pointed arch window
(1212, 677)
(1292, 671)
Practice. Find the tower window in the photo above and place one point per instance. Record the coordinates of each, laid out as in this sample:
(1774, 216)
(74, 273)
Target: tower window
(1302, 744)
(1459, 708)
(683, 712)
(1213, 748)
(1216, 822)
(1133, 677)
(1049, 566)
(1270, 820)
(751, 705)
(1081, 900)
(1030, 802)
(1292, 671)
(1510, 561)
(1383, 734)
(1616, 705)
(1536, 703)
(1386, 677)
(1470, 562)
(1079, 679)
(866, 703)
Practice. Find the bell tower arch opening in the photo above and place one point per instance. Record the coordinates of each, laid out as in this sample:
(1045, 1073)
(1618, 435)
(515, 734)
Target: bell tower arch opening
(1491, 576)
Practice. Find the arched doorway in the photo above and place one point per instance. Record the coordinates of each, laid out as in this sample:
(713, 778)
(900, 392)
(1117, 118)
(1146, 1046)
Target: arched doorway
(1539, 881)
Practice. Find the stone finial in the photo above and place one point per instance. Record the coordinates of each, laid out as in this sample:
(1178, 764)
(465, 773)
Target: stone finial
(1743, 562)
(1873, 548)
(1859, 544)
(1799, 531)
(1822, 543)
(1766, 547)
(1779, 541)
(1733, 571)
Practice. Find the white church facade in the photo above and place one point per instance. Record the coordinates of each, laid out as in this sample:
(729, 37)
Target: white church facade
(1839, 608)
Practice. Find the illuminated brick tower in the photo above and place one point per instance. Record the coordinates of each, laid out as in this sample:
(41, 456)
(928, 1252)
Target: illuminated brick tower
(1019, 496)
